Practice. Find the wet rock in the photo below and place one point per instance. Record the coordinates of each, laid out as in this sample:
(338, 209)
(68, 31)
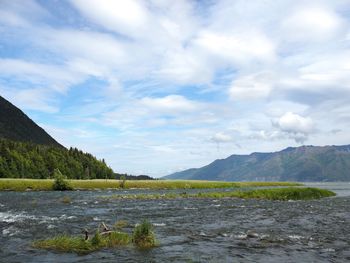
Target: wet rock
(202, 234)
(252, 234)
(241, 236)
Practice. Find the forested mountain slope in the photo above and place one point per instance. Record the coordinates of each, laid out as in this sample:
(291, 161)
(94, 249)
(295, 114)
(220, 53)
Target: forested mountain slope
(27, 151)
(28, 160)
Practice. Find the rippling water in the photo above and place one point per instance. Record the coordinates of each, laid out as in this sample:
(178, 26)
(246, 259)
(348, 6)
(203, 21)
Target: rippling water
(189, 230)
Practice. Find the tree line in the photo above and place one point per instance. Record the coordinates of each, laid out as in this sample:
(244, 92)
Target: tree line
(28, 160)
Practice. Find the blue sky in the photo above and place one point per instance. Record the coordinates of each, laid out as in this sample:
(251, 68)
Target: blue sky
(159, 86)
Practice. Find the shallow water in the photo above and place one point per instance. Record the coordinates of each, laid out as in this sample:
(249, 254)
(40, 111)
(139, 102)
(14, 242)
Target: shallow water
(189, 230)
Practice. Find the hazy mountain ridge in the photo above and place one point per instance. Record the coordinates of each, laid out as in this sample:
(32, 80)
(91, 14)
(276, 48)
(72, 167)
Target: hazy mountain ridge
(305, 163)
(17, 126)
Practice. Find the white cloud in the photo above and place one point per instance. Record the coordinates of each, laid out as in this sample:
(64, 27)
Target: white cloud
(54, 77)
(128, 17)
(170, 104)
(254, 86)
(328, 71)
(312, 23)
(184, 66)
(221, 138)
(33, 99)
(153, 112)
(96, 47)
(240, 47)
(267, 135)
(293, 123)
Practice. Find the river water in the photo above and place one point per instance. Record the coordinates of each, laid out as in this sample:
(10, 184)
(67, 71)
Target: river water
(188, 230)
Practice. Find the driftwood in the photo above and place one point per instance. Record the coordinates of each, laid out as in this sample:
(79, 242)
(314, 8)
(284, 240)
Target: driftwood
(103, 230)
(104, 227)
(86, 232)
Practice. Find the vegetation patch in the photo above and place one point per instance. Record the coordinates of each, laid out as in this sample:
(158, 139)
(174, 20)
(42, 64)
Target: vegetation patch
(60, 183)
(26, 184)
(283, 194)
(66, 200)
(47, 184)
(142, 237)
(65, 243)
(120, 224)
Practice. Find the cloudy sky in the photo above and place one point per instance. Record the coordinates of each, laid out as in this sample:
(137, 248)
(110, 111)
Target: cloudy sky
(159, 86)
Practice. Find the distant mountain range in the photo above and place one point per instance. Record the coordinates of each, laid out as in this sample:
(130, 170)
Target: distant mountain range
(304, 164)
(16, 126)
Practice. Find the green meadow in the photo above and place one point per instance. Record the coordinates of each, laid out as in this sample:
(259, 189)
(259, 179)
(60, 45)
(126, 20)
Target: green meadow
(47, 184)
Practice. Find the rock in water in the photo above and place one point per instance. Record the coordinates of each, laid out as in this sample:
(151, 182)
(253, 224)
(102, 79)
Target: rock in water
(252, 234)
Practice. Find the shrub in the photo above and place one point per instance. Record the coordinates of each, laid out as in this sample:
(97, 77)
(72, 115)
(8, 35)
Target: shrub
(122, 181)
(60, 183)
(143, 236)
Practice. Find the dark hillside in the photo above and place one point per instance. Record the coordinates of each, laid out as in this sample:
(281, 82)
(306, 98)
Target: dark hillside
(17, 126)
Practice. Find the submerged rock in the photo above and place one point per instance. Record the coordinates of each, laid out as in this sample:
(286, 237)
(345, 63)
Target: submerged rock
(252, 234)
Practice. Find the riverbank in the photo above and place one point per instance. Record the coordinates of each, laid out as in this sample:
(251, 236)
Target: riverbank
(46, 184)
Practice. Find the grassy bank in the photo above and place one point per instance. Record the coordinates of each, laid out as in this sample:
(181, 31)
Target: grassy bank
(143, 237)
(283, 194)
(46, 184)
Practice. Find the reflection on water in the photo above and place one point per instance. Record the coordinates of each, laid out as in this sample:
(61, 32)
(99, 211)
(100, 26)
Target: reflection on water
(194, 230)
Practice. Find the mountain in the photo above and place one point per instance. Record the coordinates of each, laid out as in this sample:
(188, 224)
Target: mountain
(29, 160)
(27, 151)
(304, 164)
(15, 125)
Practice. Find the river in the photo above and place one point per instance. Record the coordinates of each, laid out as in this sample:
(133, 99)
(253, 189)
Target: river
(188, 230)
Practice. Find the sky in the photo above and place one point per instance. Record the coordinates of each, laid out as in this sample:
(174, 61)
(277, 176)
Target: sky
(158, 86)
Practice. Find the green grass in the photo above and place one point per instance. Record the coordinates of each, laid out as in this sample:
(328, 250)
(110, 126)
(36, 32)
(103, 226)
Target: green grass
(65, 243)
(120, 224)
(47, 184)
(73, 244)
(24, 184)
(143, 237)
(283, 194)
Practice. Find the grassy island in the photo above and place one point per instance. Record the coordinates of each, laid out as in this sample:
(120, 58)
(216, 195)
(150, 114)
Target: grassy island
(283, 194)
(143, 237)
(47, 184)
